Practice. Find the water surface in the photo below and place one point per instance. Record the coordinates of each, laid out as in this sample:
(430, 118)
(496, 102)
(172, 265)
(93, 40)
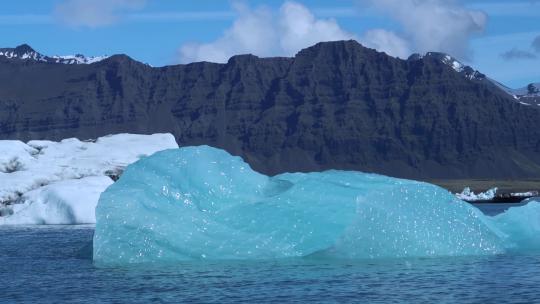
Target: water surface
(45, 264)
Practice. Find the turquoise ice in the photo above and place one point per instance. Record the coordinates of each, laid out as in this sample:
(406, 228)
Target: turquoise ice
(202, 203)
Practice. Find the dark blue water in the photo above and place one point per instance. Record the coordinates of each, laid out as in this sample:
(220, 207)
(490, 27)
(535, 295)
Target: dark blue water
(47, 265)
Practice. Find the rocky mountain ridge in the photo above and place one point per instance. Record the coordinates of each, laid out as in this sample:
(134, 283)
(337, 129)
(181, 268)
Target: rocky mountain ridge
(25, 52)
(335, 105)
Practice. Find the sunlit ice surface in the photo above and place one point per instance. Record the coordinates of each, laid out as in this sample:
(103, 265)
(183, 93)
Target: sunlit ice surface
(201, 203)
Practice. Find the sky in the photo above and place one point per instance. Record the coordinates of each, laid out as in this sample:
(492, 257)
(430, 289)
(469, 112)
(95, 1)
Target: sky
(501, 38)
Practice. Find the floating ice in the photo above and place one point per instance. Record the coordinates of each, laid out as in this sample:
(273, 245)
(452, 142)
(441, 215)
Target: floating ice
(60, 203)
(470, 196)
(525, 194)
(202, 203)
(26, 169)
(519, 227)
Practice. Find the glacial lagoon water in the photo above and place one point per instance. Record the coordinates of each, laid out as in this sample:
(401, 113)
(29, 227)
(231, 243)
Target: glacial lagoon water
(50, 264)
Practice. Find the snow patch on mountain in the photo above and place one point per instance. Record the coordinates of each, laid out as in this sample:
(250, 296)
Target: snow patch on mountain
(78, 59)
(531, 90)
(528, 95)
(467, 71)
(25, 52)
(451, 61)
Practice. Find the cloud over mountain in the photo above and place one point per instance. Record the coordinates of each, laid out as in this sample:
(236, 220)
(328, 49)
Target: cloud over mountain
(434, 25)
(427, 25)
(387, 41)
(516, 54)
(93, 14)
(263, 32)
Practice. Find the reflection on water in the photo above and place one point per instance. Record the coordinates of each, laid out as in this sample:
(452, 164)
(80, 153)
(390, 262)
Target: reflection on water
(496, 208)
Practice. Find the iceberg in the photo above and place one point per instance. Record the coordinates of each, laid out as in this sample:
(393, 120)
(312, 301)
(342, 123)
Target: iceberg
(198, 203)
(35, 176)
(65, 202)
(519, 227)
(468, 195)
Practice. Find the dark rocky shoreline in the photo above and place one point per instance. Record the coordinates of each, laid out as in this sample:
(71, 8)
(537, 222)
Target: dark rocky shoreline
(506, 189)
(504, 199)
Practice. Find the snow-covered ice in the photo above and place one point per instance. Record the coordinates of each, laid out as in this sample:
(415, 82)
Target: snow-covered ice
(468, 195)
(525, 194)
(71, 201)
(38, 163)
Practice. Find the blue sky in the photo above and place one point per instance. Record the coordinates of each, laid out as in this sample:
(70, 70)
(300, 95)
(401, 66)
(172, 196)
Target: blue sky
(495, 36)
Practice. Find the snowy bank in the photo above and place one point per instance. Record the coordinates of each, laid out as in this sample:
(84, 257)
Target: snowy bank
(46, 182)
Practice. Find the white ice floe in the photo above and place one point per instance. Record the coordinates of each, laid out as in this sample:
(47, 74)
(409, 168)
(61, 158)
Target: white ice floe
(33, 172)
(468, 195)
(525, 194)
(71, 201)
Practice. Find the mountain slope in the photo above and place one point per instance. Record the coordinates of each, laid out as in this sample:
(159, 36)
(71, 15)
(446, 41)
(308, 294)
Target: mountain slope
(528, 95)
(25, 52)
(334, 105)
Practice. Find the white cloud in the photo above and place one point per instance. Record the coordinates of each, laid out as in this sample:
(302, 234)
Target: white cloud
(264, 33)
(427, 25)
(93, 14)
(530, 8)
(517, 54)
(252, 32)
(435, 25)
(299, 28)
(388, 42)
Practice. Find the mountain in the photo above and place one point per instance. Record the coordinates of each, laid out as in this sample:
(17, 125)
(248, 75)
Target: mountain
(456, 65)
(334, 105)
(528, 95)
(25, 52)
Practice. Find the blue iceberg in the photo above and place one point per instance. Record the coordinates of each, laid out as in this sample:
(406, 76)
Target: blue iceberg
(202, 203)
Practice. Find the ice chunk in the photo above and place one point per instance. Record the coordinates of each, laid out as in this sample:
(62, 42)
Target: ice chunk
(15, 155)
(27, 167)
(520, 227)
(525, 194)
(65, 202)
(203, 203)
(470, 196)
